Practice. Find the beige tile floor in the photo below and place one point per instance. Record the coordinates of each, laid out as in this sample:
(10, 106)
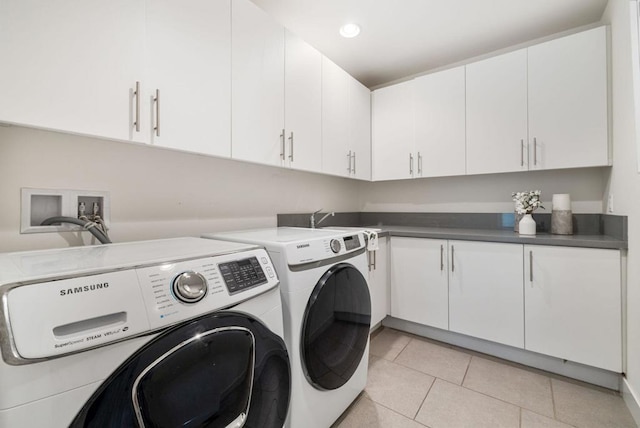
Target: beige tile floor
(415, 383)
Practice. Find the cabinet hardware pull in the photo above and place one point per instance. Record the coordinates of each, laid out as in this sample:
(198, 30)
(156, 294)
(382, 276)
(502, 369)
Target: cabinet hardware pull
(419, 164)
(282, 145)
(531, 267)
(291, 146)
(535, 152)
(136, 93)
(354, 165)
(521, 152)
(410, 164)
(349, 159)
(375, 262)
(453, 263)
(157, 102)
(441, 257)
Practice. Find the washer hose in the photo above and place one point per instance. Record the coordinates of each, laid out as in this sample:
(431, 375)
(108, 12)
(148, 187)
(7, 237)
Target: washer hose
(88, 225)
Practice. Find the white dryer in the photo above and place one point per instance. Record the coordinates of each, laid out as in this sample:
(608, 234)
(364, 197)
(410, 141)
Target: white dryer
(327, 314)
(178, 332)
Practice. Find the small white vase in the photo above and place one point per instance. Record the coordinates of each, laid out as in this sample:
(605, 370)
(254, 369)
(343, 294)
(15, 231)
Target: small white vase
(527, 225)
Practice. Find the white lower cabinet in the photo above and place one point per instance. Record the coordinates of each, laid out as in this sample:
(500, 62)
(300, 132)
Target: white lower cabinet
(379, 281)
(485, 291)
(562, 302)
(573, 304)
(419, 283)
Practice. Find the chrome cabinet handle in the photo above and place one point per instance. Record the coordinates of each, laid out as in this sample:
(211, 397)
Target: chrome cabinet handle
(521, 152)
(349, 160)
(535, 152)
(453, 264)
(136, 93)
(291, 147)
(441, 257)
(157, 102)
(410, 164)
(282, 145)
(531, 267)
(419, 164)
(354, 162)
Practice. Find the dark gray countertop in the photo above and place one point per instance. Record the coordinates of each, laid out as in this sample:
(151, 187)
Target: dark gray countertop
(503, 235)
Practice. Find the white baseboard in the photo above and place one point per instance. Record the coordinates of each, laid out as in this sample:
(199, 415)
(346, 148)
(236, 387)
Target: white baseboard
(632, 400)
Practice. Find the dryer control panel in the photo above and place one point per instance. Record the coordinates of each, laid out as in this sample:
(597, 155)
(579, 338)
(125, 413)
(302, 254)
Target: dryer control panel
(66, 315)
(319, 249)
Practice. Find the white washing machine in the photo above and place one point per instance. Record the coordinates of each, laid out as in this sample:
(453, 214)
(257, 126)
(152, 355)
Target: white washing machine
(178, 332)
(327, 314)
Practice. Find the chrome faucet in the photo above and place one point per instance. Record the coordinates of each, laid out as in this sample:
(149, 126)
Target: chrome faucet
(312, 219)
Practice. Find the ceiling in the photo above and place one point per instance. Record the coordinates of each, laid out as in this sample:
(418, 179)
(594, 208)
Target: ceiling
(400, 38)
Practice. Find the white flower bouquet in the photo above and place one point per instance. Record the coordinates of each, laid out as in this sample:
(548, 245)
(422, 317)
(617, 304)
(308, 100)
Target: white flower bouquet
(527, 202)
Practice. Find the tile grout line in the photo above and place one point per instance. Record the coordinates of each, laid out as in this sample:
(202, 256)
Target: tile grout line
(553, 400)
(520, 421)
(466, 371)
(402, 350)
(395, 411)
(424, 399)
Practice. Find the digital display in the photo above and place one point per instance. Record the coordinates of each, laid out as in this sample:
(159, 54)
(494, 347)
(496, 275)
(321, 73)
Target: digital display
(240, 275)
(351, 242)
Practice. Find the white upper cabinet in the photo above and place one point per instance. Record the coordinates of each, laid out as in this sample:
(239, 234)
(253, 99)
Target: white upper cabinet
(303, 104)
(189, 65)
(440, 123)
(257, 77)
(497, 114)
(72, 65)
(573, 304)
(393, 132)
(568, 101)
(360, 130)
(346, 123)
(336, 151)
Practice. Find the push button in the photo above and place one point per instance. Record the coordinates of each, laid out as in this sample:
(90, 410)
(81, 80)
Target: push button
(269, 272)
(263, 260)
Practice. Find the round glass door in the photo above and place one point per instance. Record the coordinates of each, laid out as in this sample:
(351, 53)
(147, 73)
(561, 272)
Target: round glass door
(222, 370)
(336, 326)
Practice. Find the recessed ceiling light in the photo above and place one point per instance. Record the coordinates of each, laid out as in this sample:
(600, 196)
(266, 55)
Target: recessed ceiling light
(349, 30)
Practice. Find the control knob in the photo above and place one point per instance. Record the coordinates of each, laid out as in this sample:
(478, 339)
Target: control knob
(190, 287)
(335, 245)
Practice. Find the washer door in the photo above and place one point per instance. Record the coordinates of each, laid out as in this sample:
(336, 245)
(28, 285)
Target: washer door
(336, 326)
(222, 370)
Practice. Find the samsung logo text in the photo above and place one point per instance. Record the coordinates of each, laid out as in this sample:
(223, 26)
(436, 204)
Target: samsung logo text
(84, 288)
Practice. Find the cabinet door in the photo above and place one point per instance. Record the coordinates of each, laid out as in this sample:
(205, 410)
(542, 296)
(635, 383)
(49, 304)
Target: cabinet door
(440, 123)
(360, 129)
(189, 62)
(419, 287)
(497, 114)
(257, 98)
(303, 104)
(573, 304)
(336, 144)
(72, 65)
(568, 101)
(379, 281)
(485, 291)
(392, 132)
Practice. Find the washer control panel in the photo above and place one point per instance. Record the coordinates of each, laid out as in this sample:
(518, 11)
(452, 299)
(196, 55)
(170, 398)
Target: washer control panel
(66, 315)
